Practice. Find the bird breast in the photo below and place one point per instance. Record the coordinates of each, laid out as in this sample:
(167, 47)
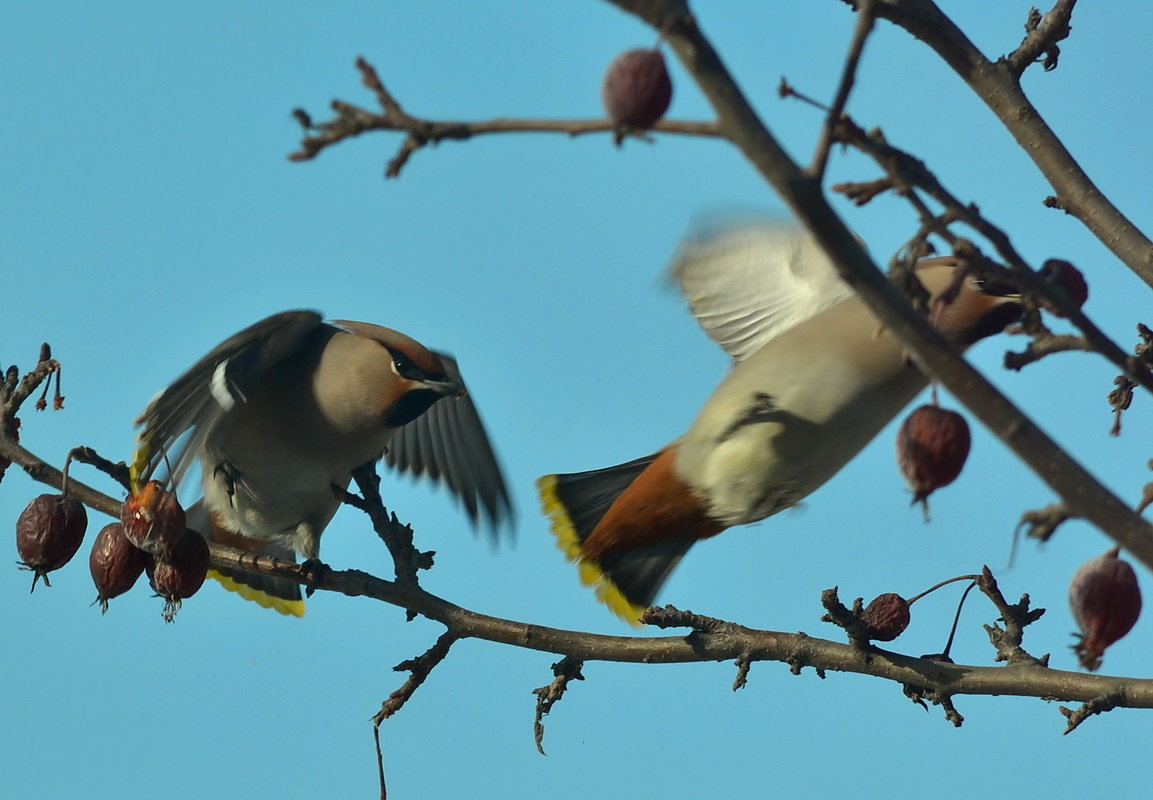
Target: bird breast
(788, 417)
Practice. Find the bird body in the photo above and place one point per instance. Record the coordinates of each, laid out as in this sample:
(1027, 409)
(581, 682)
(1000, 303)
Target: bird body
(787, 418)
(817, 378)
(285, 410)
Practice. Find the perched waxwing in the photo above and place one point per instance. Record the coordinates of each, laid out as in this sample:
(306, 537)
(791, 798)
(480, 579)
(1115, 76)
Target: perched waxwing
(815, 378)
(282, 411)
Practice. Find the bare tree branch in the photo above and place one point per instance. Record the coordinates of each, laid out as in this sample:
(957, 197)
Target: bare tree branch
(906, 171)
(865, 19)
(1043, 33)
(726, 642)
(1081, 492)
(709, 639)
(998, 84)
(352, 120)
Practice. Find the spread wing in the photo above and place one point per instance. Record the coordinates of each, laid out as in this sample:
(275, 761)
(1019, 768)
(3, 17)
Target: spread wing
(747, 283)
(201, 396)
(448, 443)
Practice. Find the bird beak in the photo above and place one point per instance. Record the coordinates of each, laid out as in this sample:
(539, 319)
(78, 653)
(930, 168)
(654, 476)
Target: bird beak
(447, 387)
(999, 287)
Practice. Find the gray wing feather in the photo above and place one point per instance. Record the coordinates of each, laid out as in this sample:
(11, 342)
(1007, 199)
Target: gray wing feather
(448, 443)
(190, 402)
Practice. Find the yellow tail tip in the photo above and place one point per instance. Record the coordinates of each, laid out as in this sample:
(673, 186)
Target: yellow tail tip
(290, 608)
(564, 531)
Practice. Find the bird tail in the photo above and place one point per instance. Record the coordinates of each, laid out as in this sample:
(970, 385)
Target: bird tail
(279, 594)
(625, 581)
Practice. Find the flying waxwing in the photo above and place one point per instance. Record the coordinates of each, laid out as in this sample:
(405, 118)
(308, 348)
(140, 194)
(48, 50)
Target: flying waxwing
(288, 407)
(815, 378)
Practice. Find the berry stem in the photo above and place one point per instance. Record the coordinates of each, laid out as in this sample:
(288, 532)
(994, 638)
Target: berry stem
(932, 589)
(957, 618)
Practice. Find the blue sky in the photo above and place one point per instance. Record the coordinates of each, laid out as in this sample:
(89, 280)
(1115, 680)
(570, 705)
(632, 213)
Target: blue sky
(149, 212)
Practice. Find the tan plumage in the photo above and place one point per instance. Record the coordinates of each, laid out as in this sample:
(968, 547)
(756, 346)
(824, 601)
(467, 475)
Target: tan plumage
(287, 408)
(816, 378)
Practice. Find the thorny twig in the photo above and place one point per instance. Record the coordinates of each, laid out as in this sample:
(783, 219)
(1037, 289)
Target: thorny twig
(938, 697)
(1121, 397)
(1041, 36)
(1098, 705)
(397, 537)
(669, 617)
(1042, 523)
(1045, 344)
(906, 170)
(419, 669)
(566, 670)
(1016, 617)
(861, 193)
(14, 391)
(849, 619)
(351, 120)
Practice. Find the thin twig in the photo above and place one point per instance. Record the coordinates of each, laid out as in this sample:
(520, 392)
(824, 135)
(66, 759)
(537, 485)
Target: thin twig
(566, 670)
(1042, 523)
(997, 83)
(418, 669)
(1042, 35)
(906, 169)
(1121, 397)
(1045, 345)
(351, 120)
(1016, 617)
(397, 537)
(866, 15)
(118, 471)
(1096, 705)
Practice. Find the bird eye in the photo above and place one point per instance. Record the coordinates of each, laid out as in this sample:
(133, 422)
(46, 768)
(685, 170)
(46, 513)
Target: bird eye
(405, 368)
(402, 364)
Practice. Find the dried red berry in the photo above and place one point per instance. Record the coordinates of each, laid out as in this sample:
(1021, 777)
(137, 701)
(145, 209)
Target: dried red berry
(182, 573)
(115, 563)
(1065, 277)
(153, 519)
(932, 446)
(886, 617)
(636, 90)
(1106, 602)
(49, 531)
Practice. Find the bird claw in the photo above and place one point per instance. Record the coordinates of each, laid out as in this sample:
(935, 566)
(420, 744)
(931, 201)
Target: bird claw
(231, 476)
(313, 570)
